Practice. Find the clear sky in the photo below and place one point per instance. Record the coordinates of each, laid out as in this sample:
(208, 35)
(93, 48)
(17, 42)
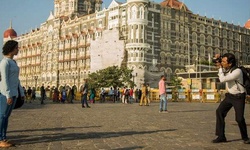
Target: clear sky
(29, 14)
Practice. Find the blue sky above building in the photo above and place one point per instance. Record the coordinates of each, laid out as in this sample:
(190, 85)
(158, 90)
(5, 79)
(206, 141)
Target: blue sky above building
(29, 14)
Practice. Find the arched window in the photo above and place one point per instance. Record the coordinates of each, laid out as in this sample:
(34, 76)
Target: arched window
(194, 38)
(216, 42)
(162, 55)
(141, 12)
(134, 12)
(209, 30)
(202, 51)
(209, 40)
(177, 59)
(177, 47)
(230, 44)
(168, 58)
(224, 43)
(224, 33)
(202, 28)
(230, 34)
(216, 31)
(194, 26)
(194, 49)
(202, 39)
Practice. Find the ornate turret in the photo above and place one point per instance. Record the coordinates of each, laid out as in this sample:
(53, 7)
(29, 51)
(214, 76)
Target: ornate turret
(136, 44)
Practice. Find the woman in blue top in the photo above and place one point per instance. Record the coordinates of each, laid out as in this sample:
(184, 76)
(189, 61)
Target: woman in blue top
(9, 84)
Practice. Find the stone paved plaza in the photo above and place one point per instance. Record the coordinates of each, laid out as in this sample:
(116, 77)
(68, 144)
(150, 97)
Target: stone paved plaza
(116, 126)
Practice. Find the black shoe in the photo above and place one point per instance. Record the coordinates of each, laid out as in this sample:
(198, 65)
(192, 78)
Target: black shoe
(88, 106)
(246, 141)
(83, 106)
(219, 140)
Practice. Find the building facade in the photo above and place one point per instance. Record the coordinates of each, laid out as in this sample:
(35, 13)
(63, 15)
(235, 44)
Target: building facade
(151, 38)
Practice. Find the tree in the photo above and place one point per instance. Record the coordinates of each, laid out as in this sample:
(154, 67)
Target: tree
(111, 76)
(176, 82)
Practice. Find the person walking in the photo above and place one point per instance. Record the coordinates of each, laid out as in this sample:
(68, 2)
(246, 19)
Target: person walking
(231, 75)
(72, 95)
(115, 99)
(143, 95)
(123, 94)
(42, 92)
(10, 84)
(92, 95)
(29, 95)
(56, 95)
(162, 93)
(33, 93)
(102, 95)
(131, 94)
(136, 95)
(84, 92)
(64, 95)
(148, 93)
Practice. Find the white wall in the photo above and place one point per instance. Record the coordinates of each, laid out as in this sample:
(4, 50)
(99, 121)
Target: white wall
(106, 51)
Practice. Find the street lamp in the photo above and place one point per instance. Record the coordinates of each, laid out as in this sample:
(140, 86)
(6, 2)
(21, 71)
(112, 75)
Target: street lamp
(133, 75)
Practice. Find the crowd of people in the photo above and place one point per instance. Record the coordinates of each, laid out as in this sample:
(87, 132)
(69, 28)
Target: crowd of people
(126, 95)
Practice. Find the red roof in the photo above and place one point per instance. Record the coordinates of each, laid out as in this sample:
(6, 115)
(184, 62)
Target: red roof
(174, 4)
(10, 33)
(247, 24)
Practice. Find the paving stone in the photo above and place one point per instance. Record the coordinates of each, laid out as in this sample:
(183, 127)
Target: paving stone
(116, 126)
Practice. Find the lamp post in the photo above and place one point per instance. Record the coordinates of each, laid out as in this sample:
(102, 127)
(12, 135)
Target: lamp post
(188, 49)
(133, 75)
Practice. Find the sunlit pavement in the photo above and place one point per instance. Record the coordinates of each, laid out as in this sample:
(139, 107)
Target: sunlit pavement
(117, 126)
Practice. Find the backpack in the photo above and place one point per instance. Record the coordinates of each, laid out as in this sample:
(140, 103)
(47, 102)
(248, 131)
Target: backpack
(246, 78)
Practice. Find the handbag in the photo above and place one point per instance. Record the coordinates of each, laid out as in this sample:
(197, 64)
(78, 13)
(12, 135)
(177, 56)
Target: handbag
(19, 100)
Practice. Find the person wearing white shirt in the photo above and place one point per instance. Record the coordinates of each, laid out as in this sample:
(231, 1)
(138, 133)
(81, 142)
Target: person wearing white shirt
(231, 75)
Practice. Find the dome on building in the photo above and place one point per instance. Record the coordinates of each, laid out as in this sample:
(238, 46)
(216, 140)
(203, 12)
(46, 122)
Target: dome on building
(10, 33)
(174, 4)
(247, 24)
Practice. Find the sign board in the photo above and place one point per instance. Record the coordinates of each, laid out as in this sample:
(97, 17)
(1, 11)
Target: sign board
(168, 90)
(210, 97)
(210, 90)
(182, 96)
(195, 90)
(181, 90)
(195, 96)
(169, 96)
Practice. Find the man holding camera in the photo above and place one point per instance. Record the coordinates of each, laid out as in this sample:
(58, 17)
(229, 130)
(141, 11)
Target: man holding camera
(235, 97)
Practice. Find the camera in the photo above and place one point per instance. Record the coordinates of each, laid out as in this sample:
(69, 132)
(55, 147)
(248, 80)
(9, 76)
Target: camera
(217, 60)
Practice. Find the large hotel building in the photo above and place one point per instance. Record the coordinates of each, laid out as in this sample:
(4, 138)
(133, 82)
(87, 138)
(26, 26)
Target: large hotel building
(81, 37)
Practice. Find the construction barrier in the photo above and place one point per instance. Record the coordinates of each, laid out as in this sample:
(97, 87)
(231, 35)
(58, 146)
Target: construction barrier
(182, 95)
(210, 95)
(196, 95)
(154, 95)
(169, 94)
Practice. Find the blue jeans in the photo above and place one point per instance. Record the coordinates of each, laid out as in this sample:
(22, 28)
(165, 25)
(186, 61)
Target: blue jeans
(5, 111)
(84, 100)
(163, 102)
